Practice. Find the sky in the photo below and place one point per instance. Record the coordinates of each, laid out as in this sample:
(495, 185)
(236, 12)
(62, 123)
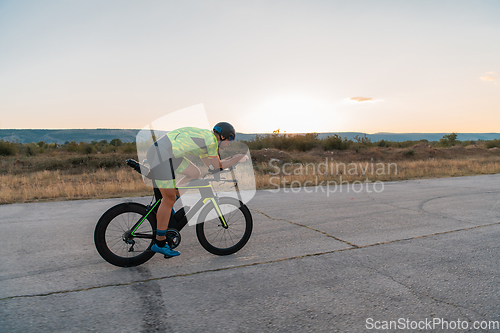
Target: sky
(298, 66)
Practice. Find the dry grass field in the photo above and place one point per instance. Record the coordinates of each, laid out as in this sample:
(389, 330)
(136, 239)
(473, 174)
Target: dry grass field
(56, 185)
(371, 165)
(67, 176)
(72, 176)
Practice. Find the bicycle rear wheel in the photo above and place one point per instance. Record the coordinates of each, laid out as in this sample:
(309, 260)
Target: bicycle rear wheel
(113, 239)
(214, 237)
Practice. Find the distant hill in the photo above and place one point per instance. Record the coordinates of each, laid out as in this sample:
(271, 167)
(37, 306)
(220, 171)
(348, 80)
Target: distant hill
(60, 136)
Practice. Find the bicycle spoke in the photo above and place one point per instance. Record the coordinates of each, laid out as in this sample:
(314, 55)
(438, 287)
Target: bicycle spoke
(115, 242)
(231, 231)
(118, 227)
(217, 233)
(219, 236)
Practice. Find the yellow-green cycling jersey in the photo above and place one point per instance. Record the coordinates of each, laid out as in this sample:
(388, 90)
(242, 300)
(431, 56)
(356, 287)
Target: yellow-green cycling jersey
(193, 141)
(167, 155)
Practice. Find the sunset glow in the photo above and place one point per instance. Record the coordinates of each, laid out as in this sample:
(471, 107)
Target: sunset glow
(292, 114)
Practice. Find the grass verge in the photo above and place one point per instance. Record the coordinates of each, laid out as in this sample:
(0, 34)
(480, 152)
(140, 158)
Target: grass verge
(56, 185)
(71, 177)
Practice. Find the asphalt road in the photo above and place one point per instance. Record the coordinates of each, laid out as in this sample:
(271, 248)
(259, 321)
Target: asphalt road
(342, 262)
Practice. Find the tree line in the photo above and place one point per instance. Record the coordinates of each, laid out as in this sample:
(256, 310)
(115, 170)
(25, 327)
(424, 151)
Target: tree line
(289, 142)
(30, 149)
(305, 142)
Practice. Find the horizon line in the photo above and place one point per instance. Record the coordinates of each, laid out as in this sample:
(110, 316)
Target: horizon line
(138, 129)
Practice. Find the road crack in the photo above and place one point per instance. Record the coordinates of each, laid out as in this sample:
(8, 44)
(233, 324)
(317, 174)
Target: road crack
(308, 227)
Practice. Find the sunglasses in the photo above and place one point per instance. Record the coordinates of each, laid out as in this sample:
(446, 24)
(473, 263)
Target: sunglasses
(229, 138)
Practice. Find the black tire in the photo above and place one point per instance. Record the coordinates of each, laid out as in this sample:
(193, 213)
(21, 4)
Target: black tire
(114, 224)
(218, 240)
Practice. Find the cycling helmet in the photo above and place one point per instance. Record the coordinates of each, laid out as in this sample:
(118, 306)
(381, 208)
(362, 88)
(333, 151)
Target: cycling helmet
(226, 130)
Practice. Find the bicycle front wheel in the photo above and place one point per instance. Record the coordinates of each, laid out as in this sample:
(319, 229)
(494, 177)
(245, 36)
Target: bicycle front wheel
(113, 238)
(219, 240)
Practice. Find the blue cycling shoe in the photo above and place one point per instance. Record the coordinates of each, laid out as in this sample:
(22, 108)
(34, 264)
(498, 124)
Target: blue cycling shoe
(166, 250)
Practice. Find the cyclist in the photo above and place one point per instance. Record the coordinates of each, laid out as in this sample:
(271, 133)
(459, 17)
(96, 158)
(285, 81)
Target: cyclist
(166, 157)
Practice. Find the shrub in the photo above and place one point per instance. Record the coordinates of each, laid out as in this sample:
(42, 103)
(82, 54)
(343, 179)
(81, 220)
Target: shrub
(408, 143)
(383, 143)
(492, 143)
(7, 148)
(129, 147)
(302, 142)
(449, 140)
(116, 142)
(335, 142)
(72, 146)
(362, 142)
(42, 144)
(87, 149)
(30, 149)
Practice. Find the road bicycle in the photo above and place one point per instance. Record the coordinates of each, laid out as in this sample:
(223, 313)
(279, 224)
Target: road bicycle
(125, 233)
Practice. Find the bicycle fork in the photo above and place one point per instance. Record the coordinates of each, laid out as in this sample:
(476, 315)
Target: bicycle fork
(219, 213)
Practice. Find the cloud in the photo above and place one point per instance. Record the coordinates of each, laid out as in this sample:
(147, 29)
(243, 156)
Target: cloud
(490, 77)
(361, 99)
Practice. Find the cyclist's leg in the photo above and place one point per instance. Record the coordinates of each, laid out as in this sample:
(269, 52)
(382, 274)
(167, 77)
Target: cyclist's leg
(165, 182)
(165, 209)
(190, 171)
(162, 219)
